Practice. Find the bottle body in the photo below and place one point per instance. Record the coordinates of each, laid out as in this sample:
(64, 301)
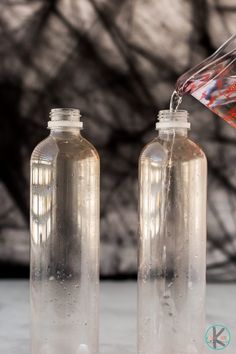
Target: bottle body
(64, 245)
(172, 246)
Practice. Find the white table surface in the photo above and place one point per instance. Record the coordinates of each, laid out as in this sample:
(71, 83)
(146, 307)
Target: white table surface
(117, 319)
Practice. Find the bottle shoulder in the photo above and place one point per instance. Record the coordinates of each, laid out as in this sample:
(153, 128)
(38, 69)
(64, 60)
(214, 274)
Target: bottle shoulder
(76, 148)
(45, 150)
(154, 150)
(187, 149)
(180, 148)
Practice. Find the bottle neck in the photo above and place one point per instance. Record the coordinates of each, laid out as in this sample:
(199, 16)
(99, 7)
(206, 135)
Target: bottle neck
(65, 122)
(65, 133)
(173, 123)
(167, 134)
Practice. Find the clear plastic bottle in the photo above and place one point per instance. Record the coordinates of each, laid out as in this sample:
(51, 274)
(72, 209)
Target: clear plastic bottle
(172, 243)
(64, 240)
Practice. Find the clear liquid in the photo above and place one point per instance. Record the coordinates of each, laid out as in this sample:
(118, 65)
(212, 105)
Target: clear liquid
(64, 246)
(175, 101)
(172, 246)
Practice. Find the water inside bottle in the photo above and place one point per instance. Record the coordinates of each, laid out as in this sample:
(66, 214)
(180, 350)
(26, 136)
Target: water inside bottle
(212, 82)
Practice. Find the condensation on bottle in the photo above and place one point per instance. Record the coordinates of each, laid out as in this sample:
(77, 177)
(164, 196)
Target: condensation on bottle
(64, 279)
(172, 240)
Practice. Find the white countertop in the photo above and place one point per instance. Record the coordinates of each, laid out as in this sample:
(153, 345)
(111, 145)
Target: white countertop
(118, 316)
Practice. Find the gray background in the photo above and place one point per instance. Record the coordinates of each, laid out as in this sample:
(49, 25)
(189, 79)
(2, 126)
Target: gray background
(118, 62)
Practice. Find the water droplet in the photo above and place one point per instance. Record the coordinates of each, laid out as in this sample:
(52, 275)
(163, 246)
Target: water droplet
(51, 278)
(190, 284)
(76, 286)
(170, 284)
(83, 348)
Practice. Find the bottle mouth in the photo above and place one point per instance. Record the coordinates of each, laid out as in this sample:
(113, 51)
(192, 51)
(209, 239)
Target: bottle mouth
(173, 119)
(65, 118)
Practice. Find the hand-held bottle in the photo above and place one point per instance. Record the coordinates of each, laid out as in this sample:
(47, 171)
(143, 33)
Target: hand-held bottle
(64, 240)
(172, 241)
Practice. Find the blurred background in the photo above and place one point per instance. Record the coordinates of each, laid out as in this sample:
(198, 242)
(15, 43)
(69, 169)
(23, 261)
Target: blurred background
(117, 61)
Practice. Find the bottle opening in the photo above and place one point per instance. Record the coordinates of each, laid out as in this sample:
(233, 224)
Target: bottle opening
(65, 117)
(168, 119)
